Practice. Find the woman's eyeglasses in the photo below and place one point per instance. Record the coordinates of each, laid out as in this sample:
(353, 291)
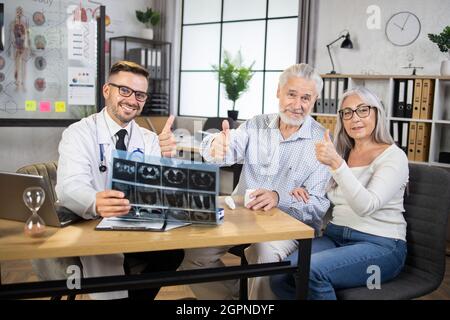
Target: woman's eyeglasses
(124, 91)
(362, 112)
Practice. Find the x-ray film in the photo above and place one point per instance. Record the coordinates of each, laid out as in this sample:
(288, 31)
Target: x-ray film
(148, 174)
(167, 189)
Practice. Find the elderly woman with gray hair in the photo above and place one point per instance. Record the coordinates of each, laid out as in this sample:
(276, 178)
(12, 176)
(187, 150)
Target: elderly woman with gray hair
(367, 231)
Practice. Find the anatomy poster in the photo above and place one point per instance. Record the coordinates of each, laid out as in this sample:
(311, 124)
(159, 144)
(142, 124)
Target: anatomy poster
(38, 56)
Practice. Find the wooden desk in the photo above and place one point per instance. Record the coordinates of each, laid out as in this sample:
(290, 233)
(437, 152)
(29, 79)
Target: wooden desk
(240, 226)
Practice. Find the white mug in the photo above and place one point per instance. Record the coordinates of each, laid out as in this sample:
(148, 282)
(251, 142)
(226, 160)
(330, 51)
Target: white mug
(247, 197)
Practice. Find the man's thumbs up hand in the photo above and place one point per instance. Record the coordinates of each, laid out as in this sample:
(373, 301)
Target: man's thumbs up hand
(220, 144)
(166, 138)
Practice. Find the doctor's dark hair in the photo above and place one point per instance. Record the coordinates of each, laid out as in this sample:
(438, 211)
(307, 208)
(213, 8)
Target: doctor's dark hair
(128, 66)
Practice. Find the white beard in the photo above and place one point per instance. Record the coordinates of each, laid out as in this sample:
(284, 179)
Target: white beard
(289, 121)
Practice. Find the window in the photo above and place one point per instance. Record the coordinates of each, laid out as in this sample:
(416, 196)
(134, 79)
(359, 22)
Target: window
(265, 31)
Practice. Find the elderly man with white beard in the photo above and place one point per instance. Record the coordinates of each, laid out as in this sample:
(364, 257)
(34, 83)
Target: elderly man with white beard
(277, 152)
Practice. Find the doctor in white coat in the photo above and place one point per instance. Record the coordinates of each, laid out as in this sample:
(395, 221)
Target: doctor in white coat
(85, 152)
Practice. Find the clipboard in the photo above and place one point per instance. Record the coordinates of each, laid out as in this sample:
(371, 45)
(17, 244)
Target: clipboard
(122, 224)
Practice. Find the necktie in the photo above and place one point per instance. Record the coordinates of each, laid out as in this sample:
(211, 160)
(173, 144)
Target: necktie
(120, 144)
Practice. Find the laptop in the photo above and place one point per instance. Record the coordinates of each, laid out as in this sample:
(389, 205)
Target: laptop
(12, 206)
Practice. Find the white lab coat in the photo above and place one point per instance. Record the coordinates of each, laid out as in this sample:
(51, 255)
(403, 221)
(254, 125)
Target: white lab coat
(79, 179)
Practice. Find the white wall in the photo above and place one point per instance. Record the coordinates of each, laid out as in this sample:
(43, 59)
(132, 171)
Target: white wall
(373, 53)
(22, 146)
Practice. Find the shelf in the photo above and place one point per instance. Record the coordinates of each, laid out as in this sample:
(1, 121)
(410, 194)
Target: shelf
(411, 119)
(384, 77)
(139, 40)
(356, 76)
(324, 114)
(442, 121)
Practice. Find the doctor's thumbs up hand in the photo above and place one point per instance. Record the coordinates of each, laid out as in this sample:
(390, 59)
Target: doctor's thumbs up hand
(326, 153)
(221, 143)
(111, 203)
(166, 138)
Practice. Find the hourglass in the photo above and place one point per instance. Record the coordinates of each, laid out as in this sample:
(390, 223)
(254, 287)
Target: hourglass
(34, 198)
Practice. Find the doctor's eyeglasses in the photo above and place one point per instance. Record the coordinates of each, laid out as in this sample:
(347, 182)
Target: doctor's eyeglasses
(363, 111)
(124, 91)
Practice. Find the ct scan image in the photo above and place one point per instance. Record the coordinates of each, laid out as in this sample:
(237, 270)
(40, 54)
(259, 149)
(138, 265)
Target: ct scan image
(202, 180)
(124, 170)
(203, 216)
(174, 177)
(146, 213)
(179, 215)
(176, 199)
(202, 201)
(149, 196)
(148, 174)
(166, 190)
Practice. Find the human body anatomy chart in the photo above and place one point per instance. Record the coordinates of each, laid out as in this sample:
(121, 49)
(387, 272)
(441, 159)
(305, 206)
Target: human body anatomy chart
(37, 67)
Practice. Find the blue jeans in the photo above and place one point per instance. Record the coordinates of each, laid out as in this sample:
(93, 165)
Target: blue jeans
(340, 259)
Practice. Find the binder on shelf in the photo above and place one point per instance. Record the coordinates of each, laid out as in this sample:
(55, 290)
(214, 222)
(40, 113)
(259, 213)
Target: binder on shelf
(139, 56)
(152, 63)
(158, 74)
(422, 142)
(323, 98)
(412, 140)
(342, 86)
(409, 98)
(319, 105)
(404, 141)
(333, 95)
(417, 98)
(399, 98)
(426, 105)
(326, 95)
(395, 132)
(426, 141)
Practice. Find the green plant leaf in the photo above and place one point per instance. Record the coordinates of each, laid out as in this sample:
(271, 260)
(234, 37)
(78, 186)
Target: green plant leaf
(149, 17)
(140, 16)
(234, 75)
(442, 40)
(155, 19)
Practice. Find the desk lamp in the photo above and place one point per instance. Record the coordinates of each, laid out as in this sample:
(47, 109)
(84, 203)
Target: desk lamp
(346, 44)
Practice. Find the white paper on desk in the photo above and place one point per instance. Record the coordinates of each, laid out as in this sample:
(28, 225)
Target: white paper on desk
(115, 223)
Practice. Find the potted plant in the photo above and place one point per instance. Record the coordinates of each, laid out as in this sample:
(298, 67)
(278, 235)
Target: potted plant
(149, 18)
(443, 42)
(236, 77)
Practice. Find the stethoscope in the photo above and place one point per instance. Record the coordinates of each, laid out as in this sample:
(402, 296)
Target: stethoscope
(102, 166)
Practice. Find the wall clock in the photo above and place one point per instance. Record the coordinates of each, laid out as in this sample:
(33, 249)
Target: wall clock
(403, 28)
